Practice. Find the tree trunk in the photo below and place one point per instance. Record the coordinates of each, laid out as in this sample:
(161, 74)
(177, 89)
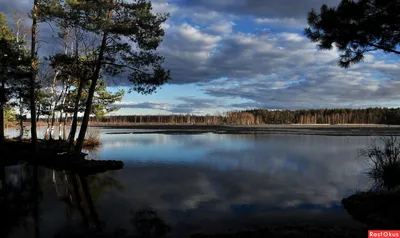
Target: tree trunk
(38, 114)
(53, 119)
(33, 78)
(74, 124)
(46, 135)
(88, 109)
(65, 126)
(21, 119)
(2, 98)
(61, 118)
(54, 103)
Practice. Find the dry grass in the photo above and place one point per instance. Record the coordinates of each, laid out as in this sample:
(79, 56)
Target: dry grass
(16, 139)
(92, 138)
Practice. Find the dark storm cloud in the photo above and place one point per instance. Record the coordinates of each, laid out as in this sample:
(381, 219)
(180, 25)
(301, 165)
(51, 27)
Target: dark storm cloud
(187, 105)
(195, 105)
(8, 6)
(262, 8)
(142, 105)
(47, 40)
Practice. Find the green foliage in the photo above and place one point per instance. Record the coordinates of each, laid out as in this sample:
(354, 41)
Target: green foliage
(43, 101)
(356, 27)
(103, 99)
(101, 102)
(10, 115)
(5, 32)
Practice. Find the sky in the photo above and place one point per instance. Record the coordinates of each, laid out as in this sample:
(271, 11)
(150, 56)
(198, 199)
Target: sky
(242, 54)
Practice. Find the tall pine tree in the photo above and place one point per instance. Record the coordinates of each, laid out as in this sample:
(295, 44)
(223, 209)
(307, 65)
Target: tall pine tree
(129, 35)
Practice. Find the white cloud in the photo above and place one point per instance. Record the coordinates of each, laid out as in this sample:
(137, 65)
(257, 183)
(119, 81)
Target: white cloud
(190, 33)
(164, 7)
(292, 37)
(222, 27)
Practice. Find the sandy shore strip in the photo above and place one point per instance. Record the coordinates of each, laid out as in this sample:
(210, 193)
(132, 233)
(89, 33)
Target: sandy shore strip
(329, 130)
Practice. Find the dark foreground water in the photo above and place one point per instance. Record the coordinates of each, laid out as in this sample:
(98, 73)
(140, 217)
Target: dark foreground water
(201, 183)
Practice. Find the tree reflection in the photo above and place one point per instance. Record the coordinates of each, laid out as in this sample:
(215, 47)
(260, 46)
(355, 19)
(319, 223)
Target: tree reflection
(22, 195)
(82, 193)
(148, 224)
(20, 201)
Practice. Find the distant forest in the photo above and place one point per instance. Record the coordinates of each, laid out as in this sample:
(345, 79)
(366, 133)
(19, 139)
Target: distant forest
(389, 116)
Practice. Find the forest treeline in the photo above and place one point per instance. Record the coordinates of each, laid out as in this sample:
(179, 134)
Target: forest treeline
(389, 116)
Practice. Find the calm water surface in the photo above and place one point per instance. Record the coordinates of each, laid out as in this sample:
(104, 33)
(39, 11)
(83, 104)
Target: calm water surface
(210, 182)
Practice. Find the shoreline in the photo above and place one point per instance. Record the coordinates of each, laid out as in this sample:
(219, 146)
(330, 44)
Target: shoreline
(325, 130)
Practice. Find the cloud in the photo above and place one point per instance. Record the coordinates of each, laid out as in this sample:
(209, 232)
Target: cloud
(325, 86)
(228, 49)
(163, 7)
(276, 70)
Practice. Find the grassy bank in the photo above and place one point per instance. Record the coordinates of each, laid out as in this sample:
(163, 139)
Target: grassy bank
(16, 150)
(54, 155)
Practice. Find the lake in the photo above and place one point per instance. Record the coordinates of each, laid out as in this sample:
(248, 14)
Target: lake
(209, 182)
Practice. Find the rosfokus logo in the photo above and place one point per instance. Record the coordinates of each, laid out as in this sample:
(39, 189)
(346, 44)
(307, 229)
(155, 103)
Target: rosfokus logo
(383, 233)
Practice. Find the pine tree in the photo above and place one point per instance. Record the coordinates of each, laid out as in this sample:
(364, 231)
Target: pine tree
(356, 27)
(129, 34)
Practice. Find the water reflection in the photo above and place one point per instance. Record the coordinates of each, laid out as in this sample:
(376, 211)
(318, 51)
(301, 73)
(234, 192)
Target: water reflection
(19, 200)
(265, 178)
(201, 183)
(27, 202)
